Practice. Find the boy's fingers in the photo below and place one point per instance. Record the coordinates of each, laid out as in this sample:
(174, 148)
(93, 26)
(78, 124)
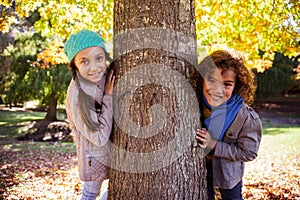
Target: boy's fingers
(202, 145)
(201, 139)
(201, 134)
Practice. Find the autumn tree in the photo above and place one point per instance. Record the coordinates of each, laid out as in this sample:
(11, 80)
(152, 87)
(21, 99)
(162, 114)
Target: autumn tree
(26, 81)
(249, 26)
(156, 109)
(40, 71)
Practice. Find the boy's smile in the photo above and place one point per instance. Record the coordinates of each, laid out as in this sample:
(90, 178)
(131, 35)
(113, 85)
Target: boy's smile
(218, 86)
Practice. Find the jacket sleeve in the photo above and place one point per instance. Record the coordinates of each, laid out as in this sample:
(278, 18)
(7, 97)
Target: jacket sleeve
(245, 141)
(101, 136)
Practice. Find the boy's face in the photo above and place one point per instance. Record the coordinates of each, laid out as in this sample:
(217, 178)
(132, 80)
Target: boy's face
(218, 86)
(91, 63)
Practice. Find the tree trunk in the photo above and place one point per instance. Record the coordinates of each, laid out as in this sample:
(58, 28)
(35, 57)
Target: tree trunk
(52, 108)
(156, 112)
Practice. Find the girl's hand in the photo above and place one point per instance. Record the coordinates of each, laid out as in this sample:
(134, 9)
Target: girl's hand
(205, 139)
(109, 85)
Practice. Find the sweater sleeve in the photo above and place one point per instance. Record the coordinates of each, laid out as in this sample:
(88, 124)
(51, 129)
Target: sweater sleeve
(247, 143)
(101, 136)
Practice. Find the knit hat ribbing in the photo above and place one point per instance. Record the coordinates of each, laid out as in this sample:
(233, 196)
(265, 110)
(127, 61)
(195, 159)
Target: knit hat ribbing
(82, 40)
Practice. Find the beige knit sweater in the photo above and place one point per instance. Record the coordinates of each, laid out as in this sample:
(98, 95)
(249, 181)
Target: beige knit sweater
(92, 147)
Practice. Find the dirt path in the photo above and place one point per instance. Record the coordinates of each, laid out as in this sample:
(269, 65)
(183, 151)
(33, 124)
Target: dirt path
(281, 110)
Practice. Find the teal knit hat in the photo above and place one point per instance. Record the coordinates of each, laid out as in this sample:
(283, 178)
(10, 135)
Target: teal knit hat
(82, 40)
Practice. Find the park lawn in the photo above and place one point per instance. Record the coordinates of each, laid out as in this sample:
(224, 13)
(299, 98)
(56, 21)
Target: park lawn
(40, 170)
(15, 123)
(275, 173)
(10, 117)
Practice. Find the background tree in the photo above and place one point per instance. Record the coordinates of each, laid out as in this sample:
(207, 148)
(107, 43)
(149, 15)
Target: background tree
(278, 79)
(4, 67)
(249, 26)
(44, 70)
(27, 81)
(155, 115)
(269, 26)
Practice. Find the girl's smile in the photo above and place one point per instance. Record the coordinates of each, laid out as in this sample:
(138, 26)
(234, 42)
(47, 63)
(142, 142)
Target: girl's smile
(95, 74)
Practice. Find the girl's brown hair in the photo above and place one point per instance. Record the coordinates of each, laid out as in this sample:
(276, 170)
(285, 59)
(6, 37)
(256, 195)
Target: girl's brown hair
(86, 103)
(230, 59)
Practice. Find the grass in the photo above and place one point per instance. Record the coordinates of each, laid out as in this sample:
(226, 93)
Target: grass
(273, 174)
(291, 130)
(10, 117)
(16, 123)
(62, 147)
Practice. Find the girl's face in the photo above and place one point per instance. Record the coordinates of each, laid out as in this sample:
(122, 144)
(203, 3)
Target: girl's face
(218, 86)
(91, 63)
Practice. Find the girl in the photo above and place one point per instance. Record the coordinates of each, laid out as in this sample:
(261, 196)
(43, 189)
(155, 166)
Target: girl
(89, 107)
(232, 130)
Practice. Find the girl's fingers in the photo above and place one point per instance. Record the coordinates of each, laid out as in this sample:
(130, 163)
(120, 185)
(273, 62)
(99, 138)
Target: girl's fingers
(113, 78)
(110, 75)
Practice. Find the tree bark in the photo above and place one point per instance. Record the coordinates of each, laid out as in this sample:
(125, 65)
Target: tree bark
(52, 108)
(156, 112)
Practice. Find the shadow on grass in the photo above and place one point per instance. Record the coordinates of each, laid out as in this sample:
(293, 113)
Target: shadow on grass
(30, 126)
(15, 123)
(280, 129)
(9, 117)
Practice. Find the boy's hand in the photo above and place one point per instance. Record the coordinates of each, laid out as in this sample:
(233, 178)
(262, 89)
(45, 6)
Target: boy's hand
(109, 85)
(205, 139)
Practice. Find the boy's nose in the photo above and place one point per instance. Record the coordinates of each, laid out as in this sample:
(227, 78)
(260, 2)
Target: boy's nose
(217, 89)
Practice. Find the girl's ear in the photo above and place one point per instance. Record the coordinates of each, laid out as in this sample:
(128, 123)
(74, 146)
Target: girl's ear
(107, 56)
(111, 65)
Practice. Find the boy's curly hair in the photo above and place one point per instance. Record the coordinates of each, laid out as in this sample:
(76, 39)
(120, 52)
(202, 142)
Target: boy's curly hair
(230, 59)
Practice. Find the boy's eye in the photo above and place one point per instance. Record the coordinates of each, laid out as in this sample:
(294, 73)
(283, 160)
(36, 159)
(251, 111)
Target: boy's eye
(210, 79)
(227, 84)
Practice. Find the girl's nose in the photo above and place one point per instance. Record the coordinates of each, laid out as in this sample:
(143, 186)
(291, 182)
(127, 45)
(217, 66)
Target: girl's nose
(94, 65)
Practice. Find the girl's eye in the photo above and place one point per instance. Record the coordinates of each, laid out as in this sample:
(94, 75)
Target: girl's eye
(84, 62)
(99, 58)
